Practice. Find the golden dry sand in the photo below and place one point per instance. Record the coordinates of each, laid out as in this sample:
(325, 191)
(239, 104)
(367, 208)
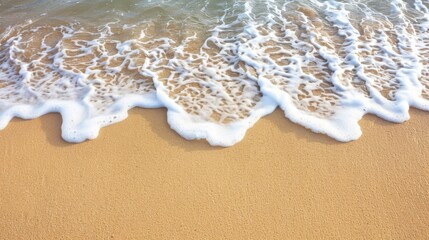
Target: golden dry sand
(140, 180)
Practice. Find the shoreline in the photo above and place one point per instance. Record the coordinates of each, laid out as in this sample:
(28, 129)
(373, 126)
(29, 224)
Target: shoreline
(140, 179)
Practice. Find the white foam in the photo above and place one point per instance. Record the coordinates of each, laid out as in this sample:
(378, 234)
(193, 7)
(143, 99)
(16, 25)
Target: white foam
(325, 63)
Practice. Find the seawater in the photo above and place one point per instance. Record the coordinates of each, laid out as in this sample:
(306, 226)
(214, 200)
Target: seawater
(217, 66)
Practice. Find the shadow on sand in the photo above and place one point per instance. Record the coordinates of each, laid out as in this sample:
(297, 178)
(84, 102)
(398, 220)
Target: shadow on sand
(156, 120)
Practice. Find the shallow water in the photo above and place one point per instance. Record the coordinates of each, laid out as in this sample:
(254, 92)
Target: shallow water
(218, 66)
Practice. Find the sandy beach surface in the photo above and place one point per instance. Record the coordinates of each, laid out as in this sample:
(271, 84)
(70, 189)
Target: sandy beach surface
(140, 180)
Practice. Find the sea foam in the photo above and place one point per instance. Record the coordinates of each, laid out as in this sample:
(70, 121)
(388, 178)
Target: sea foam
(324, 63)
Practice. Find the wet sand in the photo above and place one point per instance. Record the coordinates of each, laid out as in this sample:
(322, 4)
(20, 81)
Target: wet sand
(140, 180)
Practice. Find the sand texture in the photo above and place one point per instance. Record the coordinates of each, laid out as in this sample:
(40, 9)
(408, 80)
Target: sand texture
(140, 180)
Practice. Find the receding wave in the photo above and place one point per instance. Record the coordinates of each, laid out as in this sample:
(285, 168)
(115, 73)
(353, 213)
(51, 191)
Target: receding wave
(217, 66)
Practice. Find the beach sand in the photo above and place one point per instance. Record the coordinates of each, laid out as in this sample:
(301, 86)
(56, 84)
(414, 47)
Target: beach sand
(140, 180)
